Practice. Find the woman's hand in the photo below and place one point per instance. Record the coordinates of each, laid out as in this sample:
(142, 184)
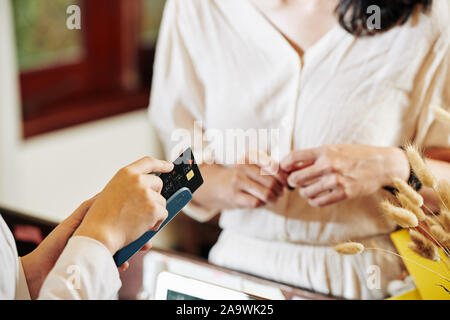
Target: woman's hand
(134, 195)
(252, 184)
(130, 205)
(334, 173)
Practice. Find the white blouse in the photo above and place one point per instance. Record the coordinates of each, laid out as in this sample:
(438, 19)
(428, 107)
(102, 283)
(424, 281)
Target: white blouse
(85, 270)
(221, 63)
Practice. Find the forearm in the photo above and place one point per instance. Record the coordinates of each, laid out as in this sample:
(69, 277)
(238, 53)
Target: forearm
(33, 276)
(441, 171)
(439, 168)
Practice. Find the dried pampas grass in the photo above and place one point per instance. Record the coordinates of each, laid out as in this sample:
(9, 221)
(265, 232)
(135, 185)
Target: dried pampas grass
(349, 248)
(444, 194)
(401, 216)
(411, 210)
(431, 221)
(430, 255)
(405, 188)
(420, 168)
(444, 219)
(423, 246)
(409, 205)
(441, 114)
(439, 233)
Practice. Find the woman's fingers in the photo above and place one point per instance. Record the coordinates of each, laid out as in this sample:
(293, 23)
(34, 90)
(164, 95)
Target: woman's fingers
(124, 266)
(267, 166)
(152, 182)
(245, 200)
(324, 184)
(258, 181)
(156, 198)
(262, 160)
(150, 165)
(157, 225)
(259, 191)
(326, 191)
(255, 189)
(161, 215)
(270, 182)
(329, 198)
(301, 177)
(299, 158)
(148, 246)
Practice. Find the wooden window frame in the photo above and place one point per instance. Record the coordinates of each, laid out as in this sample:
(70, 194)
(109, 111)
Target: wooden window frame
(112, 77)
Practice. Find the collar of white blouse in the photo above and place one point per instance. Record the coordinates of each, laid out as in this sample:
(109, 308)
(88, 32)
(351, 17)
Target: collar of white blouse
(244, 15)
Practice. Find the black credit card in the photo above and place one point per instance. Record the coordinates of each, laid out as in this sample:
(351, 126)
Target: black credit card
(185, 174)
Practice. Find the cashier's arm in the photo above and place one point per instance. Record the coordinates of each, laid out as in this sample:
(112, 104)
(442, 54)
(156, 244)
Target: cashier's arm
(438, 160)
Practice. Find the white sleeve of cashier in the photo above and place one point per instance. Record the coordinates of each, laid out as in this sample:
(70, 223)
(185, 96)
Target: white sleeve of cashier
(85, 270)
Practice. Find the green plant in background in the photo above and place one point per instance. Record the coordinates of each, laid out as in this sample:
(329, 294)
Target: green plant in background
(41, 34)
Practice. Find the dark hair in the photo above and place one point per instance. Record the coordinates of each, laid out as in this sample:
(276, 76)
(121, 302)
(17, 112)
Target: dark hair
(354, 15)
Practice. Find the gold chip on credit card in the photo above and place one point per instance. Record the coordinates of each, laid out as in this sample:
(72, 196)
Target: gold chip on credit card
(190, 175)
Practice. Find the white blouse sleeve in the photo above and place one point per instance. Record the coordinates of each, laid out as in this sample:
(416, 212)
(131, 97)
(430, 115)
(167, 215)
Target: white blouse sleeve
(13, 284)
(84, 271)
(177, 98)
(22, 292)
(434, 90)
(177, 103)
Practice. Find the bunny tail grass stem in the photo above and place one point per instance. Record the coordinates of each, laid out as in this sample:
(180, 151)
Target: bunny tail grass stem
(420, 265)
(419, 167)
(440, 245)
(442, 201)
(438, 221)
(429, 210)
(443, 190)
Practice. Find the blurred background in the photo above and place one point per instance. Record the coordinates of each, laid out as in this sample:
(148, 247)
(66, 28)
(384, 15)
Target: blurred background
(80, 112)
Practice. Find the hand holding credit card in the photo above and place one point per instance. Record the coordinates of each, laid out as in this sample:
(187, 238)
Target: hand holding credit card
(178, 189)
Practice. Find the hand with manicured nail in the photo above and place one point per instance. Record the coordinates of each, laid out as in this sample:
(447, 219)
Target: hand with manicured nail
(330, 174)
(254, 182)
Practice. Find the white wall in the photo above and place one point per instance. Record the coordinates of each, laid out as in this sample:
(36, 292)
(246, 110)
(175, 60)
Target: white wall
(57, 171)
(9, 102)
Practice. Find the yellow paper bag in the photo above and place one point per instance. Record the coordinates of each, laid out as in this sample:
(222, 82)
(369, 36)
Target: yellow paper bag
(410, 295)
(430, 285)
